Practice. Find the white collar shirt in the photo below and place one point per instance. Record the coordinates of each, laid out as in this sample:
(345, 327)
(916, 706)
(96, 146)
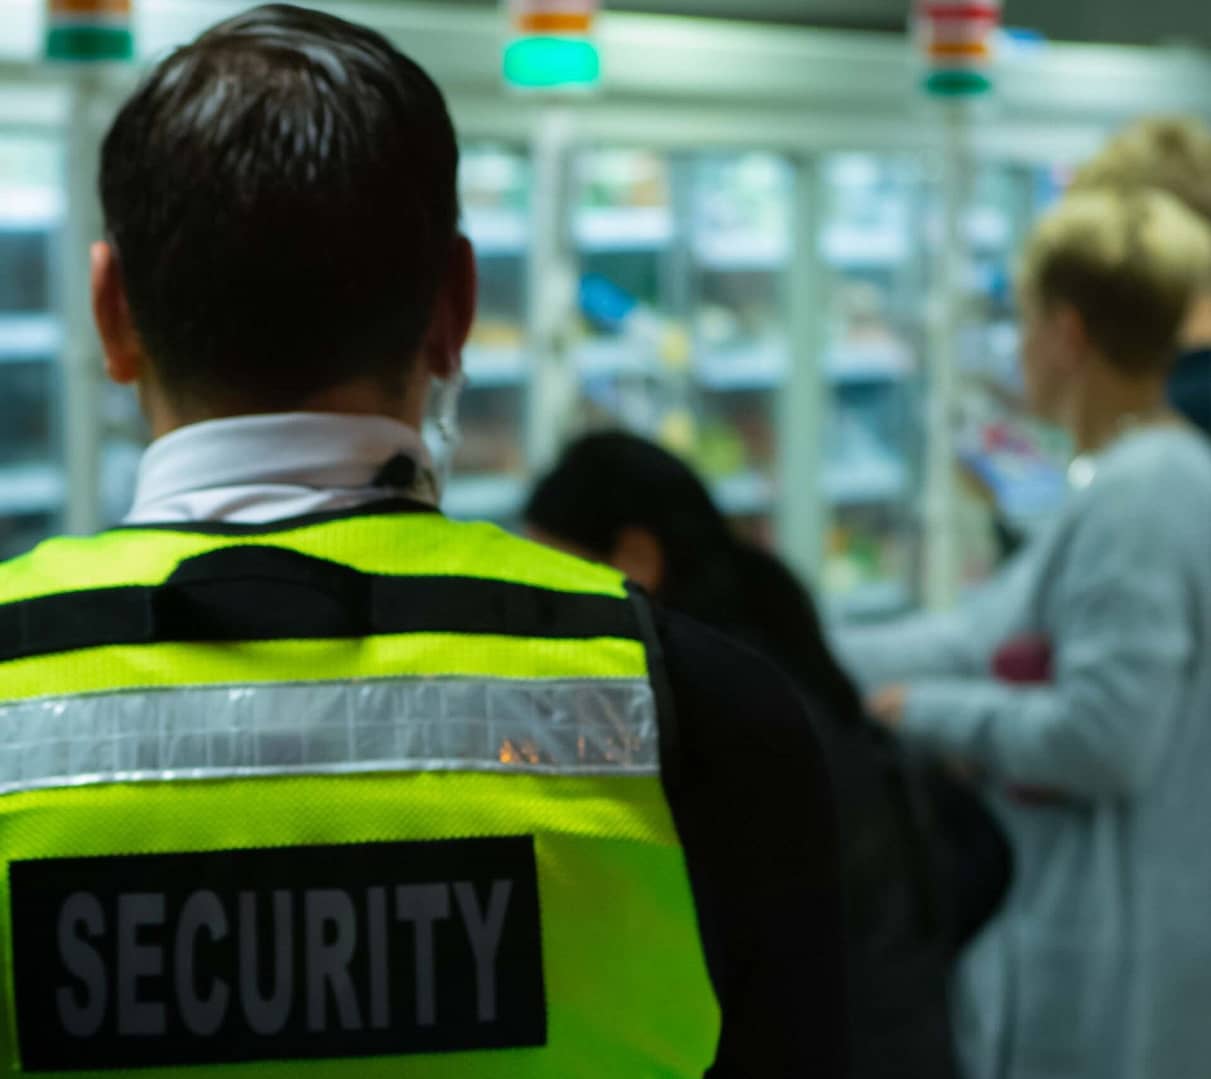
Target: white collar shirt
(260, 469)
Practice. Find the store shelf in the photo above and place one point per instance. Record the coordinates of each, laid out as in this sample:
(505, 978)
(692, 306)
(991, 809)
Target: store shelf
(745, 494)
(759, 366)
(991, 352)
(989, 229)
(729, 251)
(856, 246)
(29, 337)
(624, 228)
(852, 362)
(484, 498)
(611, 357)
(865, 481)
(875, 599)
(32, 488)
(497, 232)
(494, 367)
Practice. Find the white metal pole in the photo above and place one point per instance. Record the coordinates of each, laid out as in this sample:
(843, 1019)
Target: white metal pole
(81, 362)
(551, 281)
(801, 518)
(942, 568)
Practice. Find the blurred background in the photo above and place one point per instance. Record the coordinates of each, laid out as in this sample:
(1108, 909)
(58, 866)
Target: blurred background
(757, 239)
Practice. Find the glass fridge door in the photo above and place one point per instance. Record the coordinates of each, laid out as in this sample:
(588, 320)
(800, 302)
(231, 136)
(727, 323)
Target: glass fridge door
(1012, 467)
(874, 302)
(683, 268)
(32, 486)
(741, 254)
(631, 343)
(488, 477)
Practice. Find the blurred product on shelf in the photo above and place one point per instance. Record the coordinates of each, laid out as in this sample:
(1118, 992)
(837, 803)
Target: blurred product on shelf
(860, 310)
(639, 333)
(678, 432)
(493, 176)
(1024, 476)
(867, 563)
(865, 346)
(863, 462)
(613, 179)
(742, 217)
(497, 334)
(720, 450)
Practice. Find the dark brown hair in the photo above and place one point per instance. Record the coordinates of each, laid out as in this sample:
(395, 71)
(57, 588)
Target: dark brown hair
(282, 197)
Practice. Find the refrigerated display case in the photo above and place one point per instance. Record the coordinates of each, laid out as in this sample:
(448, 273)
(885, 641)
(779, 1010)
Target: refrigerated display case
(741, 251)
(630, 343)
(681, 331)
(488, 478)
(1013, 466)
(726, 248)
(874, 306)
(32, 488)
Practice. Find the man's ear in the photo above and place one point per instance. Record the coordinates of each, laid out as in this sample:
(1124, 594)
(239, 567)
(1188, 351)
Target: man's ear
(453, 314)
(124, 359)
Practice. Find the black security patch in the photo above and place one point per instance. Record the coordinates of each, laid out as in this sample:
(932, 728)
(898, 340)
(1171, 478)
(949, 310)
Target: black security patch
(277, 954)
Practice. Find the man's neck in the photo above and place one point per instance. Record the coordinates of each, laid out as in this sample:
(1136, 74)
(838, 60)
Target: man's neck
(361, 398)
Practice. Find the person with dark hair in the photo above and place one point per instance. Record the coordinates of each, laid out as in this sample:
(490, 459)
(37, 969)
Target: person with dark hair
(294, 769)
(622, 500)
(617, 498)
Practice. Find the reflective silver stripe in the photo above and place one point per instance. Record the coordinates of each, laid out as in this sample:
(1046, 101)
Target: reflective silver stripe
(593, 727)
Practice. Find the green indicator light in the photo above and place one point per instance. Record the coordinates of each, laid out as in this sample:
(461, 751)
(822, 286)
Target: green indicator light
(541, 63)
(88, 43)
(957, 83)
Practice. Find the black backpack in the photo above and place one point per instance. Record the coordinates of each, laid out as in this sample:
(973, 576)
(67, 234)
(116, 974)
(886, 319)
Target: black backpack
(924, 864)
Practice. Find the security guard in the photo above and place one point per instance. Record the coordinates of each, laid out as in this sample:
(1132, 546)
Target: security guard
(294, 772)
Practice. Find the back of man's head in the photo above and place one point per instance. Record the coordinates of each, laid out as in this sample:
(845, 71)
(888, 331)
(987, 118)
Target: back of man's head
(282, 198)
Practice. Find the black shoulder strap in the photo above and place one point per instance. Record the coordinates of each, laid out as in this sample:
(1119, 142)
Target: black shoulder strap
(662, 688)
(258, 593)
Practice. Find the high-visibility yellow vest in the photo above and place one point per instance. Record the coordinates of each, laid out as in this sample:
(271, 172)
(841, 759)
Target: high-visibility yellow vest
(371, 796)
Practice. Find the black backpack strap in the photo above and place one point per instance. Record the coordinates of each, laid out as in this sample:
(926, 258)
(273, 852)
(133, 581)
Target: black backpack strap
(662, 689)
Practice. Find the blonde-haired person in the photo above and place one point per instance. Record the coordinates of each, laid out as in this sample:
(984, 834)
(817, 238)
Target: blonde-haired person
(1077, 684)
(1174, 155)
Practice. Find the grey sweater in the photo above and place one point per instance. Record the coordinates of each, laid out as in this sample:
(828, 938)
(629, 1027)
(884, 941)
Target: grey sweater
(1099, 967)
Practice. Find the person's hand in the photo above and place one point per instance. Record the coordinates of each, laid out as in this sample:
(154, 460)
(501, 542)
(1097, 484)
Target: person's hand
(887, 706)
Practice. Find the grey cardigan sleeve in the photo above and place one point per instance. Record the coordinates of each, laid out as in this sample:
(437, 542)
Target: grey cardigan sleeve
(953, 644)
(1121, 636)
